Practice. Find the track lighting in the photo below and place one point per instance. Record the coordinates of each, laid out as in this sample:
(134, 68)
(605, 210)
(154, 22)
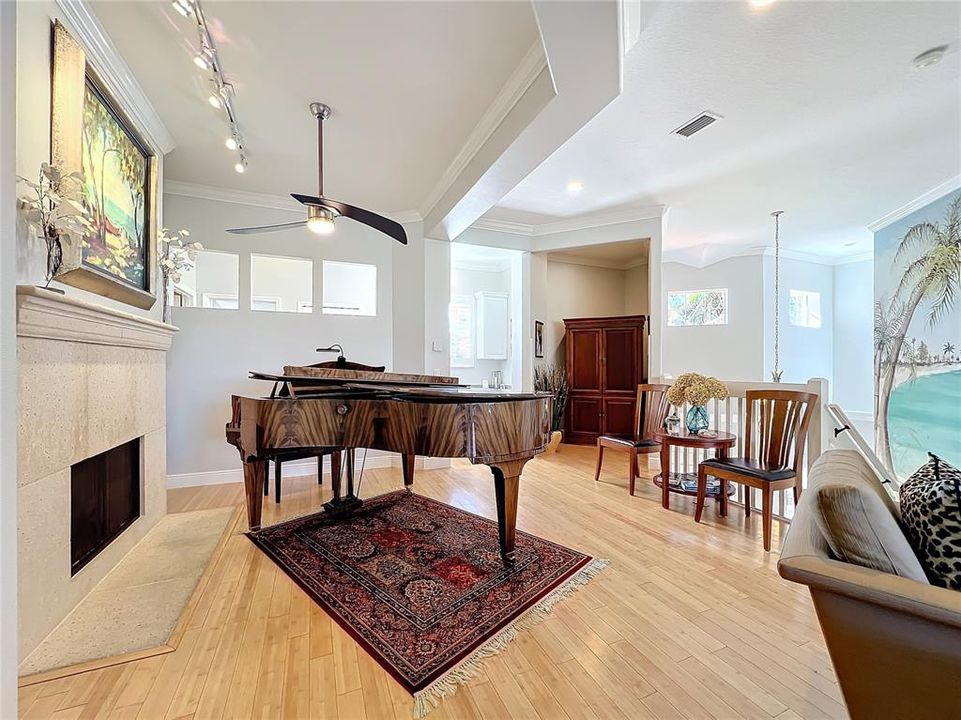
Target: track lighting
(208, 60)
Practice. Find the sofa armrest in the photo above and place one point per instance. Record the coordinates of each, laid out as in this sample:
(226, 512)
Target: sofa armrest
(927, 602)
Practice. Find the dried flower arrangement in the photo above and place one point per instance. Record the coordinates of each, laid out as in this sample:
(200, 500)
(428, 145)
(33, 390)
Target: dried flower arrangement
(696, 389)
(176, 255)
(53, 207)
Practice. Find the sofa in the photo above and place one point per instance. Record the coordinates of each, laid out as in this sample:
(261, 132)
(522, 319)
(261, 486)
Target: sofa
(895, 642)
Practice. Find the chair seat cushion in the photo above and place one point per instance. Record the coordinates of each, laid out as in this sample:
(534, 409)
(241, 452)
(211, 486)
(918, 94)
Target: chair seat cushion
(751, 467)
(630, 440)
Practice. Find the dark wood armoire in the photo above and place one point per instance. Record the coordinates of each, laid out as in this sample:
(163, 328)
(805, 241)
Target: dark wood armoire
(606, 360)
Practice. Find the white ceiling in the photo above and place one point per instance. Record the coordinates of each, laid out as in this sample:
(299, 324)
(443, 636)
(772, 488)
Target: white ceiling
(625, 254)
(824, 118)
(407, 83)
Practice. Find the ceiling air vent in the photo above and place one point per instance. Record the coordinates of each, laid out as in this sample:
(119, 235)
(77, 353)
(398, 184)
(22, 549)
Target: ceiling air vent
(697, 124)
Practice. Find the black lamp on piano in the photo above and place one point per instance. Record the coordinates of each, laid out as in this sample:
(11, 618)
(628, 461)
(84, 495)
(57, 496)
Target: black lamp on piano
(342, 363)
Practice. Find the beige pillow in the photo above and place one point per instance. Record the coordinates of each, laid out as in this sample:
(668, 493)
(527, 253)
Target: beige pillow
(860, 530)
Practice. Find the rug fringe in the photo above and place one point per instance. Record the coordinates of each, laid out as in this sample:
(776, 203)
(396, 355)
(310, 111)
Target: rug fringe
(430, 697)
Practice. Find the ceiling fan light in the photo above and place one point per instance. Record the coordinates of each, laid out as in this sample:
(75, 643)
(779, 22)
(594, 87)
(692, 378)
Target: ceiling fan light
(320, 225)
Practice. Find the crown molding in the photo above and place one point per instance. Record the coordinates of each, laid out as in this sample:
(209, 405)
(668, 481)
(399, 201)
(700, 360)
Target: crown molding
(262, 200)
(949, 185)
(115, 74)
(504, 226)
(678, 256)
(592, 262)
(530, 67)
(580, 222)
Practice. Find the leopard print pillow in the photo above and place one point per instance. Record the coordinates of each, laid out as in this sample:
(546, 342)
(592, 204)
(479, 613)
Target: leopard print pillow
(931, 514)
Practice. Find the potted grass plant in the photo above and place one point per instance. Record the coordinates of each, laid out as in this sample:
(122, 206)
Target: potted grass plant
(553, 379)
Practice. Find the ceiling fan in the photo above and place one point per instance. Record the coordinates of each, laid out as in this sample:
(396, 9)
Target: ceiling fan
(322, 211)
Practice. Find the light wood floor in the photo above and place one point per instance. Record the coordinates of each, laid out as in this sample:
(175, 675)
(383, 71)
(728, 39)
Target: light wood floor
(689, 621)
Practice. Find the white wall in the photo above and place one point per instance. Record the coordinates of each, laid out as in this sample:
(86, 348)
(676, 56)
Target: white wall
(215, 349)
(854, 337)
(436, 302)
(731, 352)
(804, 352)
(8, 362)
(578, 291)
(637, 290)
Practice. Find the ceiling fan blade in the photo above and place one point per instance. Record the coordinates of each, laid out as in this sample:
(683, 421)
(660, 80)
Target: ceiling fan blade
(378, 222)
(267, 228)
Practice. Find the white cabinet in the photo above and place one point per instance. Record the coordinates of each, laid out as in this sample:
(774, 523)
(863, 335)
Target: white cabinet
(493, 325)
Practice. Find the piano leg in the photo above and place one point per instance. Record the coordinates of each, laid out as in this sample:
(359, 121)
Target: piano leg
(255, 478)
(407, 463)
(349, 502)
(507, 477)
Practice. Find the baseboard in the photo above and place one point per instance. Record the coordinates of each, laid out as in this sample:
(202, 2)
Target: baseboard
(300, 468)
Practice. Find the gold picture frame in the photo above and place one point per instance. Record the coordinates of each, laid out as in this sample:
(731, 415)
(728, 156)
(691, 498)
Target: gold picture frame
(119, 258)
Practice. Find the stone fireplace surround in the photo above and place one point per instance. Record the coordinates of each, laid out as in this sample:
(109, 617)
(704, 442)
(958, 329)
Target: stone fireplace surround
(89, 378)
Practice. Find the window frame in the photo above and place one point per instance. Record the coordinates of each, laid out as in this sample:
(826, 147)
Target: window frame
(326, 309)
(468, 302)
(725, 320)
(807, 294)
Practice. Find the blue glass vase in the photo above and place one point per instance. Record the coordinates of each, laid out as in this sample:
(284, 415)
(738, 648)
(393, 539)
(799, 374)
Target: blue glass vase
(697, 419)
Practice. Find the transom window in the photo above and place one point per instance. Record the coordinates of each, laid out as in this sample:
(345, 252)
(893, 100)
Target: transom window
(349, 288)
(280, 284)
(697, 307)
(804, 309)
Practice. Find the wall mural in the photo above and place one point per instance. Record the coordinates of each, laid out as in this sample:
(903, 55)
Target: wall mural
(917, 336)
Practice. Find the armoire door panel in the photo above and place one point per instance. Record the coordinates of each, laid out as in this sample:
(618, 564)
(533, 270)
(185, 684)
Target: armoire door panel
(584, 352)
(618, 416)
(620, 359)
(585, 414)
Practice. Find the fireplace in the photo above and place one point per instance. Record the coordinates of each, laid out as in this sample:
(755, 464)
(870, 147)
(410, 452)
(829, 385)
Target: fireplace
(104, 500)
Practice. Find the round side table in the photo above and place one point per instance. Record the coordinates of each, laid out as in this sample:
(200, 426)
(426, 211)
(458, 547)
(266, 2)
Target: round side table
(676, 481)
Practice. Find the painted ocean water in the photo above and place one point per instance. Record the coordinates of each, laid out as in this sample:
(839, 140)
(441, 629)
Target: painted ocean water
(925, 415)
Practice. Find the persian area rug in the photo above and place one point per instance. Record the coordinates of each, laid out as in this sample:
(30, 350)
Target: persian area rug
(421, 586)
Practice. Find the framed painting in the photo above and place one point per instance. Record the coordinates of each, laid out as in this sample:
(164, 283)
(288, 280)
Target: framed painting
(91, 134)
(538, 339)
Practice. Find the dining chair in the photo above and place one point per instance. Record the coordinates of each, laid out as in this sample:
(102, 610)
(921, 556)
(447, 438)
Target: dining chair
(649, 412)
(773, 451)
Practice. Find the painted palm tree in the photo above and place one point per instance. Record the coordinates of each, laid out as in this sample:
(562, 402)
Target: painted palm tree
(887, 318)
(933, 272)
(948, 351)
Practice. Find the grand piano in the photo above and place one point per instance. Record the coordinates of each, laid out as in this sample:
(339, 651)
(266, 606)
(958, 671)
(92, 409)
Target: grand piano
(330, 410)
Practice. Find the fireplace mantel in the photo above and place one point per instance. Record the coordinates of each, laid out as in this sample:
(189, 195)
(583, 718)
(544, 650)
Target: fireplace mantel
(47, 314)
(90, 378)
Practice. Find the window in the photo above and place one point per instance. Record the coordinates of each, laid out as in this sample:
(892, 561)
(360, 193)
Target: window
(697, 307)
(804, 309)
(280, 284)
(461, 317)
(349, 289)
(212, 282)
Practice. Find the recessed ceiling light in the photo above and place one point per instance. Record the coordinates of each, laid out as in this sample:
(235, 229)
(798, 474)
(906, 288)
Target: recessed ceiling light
(761, 3)
(929, 57)
(575, 186)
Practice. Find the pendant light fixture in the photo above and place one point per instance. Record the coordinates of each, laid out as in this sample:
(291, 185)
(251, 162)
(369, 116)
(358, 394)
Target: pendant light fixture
(777, 372)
